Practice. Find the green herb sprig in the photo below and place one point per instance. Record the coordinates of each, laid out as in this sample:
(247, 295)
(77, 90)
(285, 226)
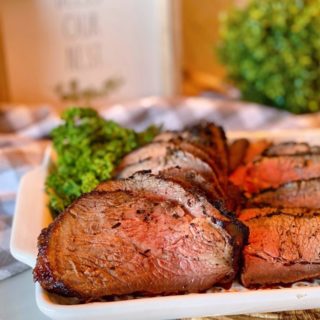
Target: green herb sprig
(88, 150)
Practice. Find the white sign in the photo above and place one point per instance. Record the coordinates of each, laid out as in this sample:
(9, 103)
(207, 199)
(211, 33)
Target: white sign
(58, 48)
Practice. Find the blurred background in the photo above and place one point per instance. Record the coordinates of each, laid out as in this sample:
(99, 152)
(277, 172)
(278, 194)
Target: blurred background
(103, 51)
(53, 50)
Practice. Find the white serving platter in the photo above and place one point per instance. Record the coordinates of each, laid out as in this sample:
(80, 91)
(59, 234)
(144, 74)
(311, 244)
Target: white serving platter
(31, 215)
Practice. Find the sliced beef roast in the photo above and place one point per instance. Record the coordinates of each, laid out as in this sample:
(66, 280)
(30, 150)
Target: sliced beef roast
(192, 200)
(283, 246)
(232, 198)
(217, 142)
(144, 234)
(290, 148)
(247, 154)
(207, 136)
(255, 149)
(115, 243)
(273, 171)
(162, 230)
(303, 193)
(192, 179)
(251, 213)
(237, 153)
(160, 149)
(144, 182)
(172, 158)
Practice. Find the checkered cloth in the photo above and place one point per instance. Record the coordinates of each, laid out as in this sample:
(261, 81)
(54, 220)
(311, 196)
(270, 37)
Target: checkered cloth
(24, 132)
(232, 115)
(14, 162)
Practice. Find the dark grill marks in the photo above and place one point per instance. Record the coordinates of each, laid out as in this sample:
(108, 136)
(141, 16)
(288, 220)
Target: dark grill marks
(166, 149)
(175, 158)
(157, 186)
(303, 193)
(291, 148)
(146, 253)
(274, 171)
(192, 179)
(208, 137)
(256, 213)
(118, 224)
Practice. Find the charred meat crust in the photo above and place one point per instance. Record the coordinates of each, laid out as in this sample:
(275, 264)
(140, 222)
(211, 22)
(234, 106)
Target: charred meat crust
(162, 148)
(193, 179)
(237, 153)
(256, 213)
(43, 271)
(144, 181)
(302, 193)
(213, 138)
(274, 171)
(303, 158)
(298, 183)
(172, 158)
(290, 148)
(207, 136)
(235, 227)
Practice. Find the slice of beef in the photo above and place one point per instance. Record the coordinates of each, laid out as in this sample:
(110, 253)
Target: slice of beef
(283, 246)
(193, 179)
(214, 137)
(237, 153)
(172, 158)
(196, 203)
(253, 152)
(146, 183)
(160, 149)
(238, 177)
(256, 149)
(290, 148)
(166, 136)
(116, 243)
(303, 193)
(209, 137)
(260, 271)
(235, 199)
(251, 213)
(273, 171)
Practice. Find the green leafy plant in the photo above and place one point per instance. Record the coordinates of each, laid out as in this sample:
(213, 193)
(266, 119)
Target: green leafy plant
(88, 149)
(271, 50)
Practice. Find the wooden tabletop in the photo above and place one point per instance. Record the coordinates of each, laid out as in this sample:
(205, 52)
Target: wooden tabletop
(313, 314)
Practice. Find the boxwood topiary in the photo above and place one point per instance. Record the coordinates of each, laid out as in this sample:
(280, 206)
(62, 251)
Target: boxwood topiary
(271, 50)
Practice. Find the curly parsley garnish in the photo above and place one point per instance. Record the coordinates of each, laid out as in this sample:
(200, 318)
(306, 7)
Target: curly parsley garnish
(88, 149)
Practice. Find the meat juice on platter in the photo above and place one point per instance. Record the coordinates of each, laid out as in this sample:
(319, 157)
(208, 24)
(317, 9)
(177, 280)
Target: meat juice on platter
(181, 214)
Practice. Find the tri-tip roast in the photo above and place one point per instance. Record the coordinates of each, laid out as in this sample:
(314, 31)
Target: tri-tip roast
(163, 230)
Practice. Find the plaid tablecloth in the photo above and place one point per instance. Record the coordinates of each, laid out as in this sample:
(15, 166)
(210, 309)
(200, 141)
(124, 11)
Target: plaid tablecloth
(24, 135)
